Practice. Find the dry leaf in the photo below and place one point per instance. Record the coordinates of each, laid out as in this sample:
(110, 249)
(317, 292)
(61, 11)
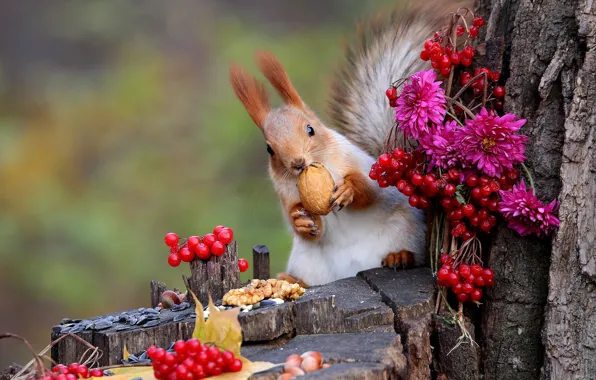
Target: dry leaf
(125, 353)
(221, 328)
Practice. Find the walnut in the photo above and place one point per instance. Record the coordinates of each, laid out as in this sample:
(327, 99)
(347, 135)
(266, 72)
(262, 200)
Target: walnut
(315, 187)
(257, 290)
(242, 296)
(287, 291)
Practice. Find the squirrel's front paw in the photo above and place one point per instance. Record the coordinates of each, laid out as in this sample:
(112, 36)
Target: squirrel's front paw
(401, 259)
(342, 196)
(304, 224)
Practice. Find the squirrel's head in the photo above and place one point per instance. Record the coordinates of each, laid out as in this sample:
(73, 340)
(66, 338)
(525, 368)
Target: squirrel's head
(294, 136)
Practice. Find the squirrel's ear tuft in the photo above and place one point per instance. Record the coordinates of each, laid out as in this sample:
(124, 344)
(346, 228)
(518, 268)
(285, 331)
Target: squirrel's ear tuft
(277, 76)
(251, 93)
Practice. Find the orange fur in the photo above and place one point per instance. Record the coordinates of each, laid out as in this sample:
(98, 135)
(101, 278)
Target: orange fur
(277, 76)
(401, 259)
(304, 232)
(251, 93)
(364, 196)
(291, 279)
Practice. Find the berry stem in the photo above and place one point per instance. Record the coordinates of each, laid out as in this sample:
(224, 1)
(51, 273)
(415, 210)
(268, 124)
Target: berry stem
(464, 108)
(470, 82)
(455, 118)
(529, 175)
(454, 20)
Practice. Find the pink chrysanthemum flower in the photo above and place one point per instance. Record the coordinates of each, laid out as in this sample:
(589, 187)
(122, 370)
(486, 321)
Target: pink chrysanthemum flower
(441, 146)
(421, 102)
(491, 143)
(527, 214)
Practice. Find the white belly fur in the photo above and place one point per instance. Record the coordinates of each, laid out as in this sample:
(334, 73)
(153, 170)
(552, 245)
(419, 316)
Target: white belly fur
(354, 240)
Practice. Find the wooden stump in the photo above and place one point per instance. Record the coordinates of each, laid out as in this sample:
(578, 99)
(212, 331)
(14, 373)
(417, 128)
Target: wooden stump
(157, 289)
(260, 262)
(215, 276)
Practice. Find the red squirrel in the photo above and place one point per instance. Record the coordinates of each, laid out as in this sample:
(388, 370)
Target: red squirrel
(368, 226)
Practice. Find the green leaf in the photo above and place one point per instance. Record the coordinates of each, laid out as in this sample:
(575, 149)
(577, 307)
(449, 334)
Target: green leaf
(459, 198)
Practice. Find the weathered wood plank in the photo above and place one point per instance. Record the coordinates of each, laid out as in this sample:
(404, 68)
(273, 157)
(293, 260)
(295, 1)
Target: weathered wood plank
(461, 363)
(347, 305)
(376, 347)
(410, 293)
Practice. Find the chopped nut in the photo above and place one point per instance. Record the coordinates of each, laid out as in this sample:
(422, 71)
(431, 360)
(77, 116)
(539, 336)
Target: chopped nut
(242, 296)
(257, 290)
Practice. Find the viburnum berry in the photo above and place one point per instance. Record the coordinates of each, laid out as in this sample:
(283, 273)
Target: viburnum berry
(218, 248)
(469, 51)
(499, 92)
(242, 265)
(414, 200)
(392, 91)
(192, 242)
(236, 366)
(218, 229)
(479, 21)
(60, 368)
(186, 254)
(225, 236)
(473, 32)
(174, 260)
(495, 75)
(466, 61)
(82, 371)
(460, 30)
(462, 297)
(96, 372)
(171, 239)
(209, 239)
(465, 78)
(445, 71)
(203, 252)
(63, 376)
(498, 104)
(193, 345)
(468, 210)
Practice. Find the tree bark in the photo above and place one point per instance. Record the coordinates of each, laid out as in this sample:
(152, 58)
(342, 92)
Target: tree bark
(570, 328)
(542, 57)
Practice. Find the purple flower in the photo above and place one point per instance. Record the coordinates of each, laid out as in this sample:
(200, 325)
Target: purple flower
(527, 214)
(420, 103)
(490, 142)
(441, 146)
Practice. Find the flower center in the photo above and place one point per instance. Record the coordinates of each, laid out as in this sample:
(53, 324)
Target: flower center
(488, 143)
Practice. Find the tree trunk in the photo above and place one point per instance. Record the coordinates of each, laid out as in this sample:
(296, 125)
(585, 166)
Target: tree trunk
(541, 64)
(570, 328)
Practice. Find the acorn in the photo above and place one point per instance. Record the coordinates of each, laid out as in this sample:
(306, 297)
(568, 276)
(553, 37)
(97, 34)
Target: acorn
(169, 299)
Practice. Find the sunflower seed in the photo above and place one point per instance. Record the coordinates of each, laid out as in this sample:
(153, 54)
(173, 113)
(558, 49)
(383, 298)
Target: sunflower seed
(122, 327)
(152, 323)
(102, 324)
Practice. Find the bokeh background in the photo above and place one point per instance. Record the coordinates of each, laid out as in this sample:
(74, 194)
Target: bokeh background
(117, 125)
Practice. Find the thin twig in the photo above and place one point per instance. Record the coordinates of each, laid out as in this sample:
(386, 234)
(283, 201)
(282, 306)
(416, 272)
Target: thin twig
(35, 355)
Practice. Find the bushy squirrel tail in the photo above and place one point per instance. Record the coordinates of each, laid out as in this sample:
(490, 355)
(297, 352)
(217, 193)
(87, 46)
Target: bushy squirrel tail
(386, 48)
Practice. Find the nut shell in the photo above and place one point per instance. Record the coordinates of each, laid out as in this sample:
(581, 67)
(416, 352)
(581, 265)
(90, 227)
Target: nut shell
(315, 186)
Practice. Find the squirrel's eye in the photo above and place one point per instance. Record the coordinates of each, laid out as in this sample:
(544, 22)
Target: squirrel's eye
(310, 130)
(269, 150)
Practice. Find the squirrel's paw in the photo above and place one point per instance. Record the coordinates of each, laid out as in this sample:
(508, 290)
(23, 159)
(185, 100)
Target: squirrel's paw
(342, 196)
(290, 279)
(401, 259)
(304, 224)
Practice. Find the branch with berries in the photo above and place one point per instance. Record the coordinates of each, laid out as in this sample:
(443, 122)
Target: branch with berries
(455, 153)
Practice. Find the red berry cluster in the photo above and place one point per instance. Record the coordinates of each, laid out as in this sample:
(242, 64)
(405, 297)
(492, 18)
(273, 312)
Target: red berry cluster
(202, 247)
(466, 281)
(477, 88)
(72, 372)
(191, 360)
(480, 210)
(447, 58)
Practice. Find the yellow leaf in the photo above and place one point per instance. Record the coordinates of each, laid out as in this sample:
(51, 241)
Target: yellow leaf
(222, 328)
(199, 331)
(130, 372)
(125, 354)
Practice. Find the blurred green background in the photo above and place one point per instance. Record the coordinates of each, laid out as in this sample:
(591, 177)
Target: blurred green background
(118, 125)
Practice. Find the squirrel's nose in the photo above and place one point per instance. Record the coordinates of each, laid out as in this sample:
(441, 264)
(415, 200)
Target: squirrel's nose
(298, 164)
